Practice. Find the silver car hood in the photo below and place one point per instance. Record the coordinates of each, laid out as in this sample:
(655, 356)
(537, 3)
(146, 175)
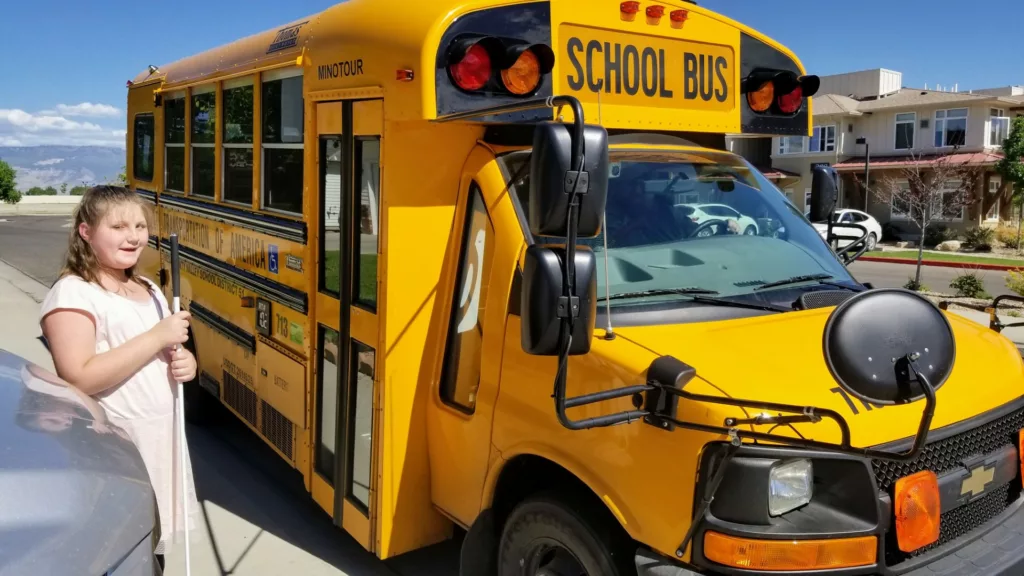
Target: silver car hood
(72, 500)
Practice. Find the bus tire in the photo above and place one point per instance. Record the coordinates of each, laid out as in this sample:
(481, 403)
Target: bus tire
(544, 529)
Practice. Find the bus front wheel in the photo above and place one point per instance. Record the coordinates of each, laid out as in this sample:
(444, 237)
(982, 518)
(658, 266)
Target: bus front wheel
(545, 537)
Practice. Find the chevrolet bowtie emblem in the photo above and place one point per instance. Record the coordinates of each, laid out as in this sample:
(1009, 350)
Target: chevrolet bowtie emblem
(977, 480)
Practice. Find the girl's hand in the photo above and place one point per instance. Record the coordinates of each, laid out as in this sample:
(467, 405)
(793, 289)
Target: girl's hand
(183, 365)
(172, 330)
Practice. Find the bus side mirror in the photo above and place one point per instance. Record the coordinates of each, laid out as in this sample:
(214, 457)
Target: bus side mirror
(553, 178)
(542, 309)
(824, 193)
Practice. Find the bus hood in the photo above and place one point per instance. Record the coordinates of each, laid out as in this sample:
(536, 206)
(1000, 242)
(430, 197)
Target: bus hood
(778, 358)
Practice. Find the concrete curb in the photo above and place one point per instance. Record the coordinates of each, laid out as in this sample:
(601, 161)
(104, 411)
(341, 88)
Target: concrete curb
(942, 264)
(25, 284)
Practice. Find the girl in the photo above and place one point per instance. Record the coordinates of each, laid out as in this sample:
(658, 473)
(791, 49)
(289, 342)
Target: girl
(113, 336)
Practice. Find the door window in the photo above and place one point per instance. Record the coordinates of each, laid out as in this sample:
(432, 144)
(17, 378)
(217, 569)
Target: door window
(460, 375)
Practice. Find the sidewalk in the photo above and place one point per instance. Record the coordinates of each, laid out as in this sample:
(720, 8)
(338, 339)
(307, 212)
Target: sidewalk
(1014, 334)
(20, 297)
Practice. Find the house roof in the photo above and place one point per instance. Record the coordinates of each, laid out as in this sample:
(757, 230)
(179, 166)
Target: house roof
(902, 161)
(835, 104)
(827, 104)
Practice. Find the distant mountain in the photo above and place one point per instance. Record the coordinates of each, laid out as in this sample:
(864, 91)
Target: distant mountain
(55, 165)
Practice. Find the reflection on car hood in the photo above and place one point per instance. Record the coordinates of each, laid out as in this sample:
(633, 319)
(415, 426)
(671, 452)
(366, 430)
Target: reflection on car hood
(779, 358)
(74, 501)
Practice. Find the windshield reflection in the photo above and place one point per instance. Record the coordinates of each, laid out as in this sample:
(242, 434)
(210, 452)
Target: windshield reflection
(698, 220)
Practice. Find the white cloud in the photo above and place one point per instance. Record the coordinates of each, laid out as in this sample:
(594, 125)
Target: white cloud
(49, 162)
(88, 109)
(20, 128)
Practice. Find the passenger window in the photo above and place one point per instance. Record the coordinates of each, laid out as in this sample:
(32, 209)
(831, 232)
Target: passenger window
(282, 144)
(204, 151)
(142, 157)
(460, 374)
(174, 144)
(367, 221)
(238, 141)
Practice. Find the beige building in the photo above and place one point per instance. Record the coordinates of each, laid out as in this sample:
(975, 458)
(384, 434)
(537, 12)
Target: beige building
(871, 114)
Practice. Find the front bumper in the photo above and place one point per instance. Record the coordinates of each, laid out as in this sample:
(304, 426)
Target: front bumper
(995, 549)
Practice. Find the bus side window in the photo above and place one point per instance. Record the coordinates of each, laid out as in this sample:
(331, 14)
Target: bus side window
(460, 373)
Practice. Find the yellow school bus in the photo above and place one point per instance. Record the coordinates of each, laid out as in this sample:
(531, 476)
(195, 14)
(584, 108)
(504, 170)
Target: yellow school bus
(483, 268)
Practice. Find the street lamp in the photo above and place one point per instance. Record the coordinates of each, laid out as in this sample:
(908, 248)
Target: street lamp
(867, 168)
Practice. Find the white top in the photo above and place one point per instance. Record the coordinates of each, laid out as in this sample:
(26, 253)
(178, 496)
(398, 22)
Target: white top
(144, 404)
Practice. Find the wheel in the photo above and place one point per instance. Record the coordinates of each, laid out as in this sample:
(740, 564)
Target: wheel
(872, 242)
(545, 537)
(750, 231)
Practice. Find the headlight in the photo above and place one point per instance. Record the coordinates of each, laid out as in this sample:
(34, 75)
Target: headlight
(790, 486)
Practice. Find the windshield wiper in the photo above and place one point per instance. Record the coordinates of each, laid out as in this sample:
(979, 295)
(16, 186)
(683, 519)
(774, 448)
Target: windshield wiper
(820, 278)
(663, 292)
(702, 295)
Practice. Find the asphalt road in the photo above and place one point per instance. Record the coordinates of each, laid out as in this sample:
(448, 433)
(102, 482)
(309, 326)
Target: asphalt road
(35, 244)
(936, 279)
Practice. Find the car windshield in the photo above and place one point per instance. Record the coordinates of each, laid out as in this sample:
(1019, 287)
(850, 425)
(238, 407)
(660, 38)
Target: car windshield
(696, 220)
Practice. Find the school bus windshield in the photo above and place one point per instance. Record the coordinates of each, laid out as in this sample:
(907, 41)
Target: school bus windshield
(702, 220)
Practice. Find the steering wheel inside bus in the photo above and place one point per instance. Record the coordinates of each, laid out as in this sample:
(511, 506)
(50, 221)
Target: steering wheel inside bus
(704, 229)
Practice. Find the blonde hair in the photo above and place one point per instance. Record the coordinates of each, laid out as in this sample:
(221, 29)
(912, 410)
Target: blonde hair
(95, 205)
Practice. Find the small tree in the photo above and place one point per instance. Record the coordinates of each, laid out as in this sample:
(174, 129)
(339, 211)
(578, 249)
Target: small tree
(926, 197)
(8, 193)
(1011, 168)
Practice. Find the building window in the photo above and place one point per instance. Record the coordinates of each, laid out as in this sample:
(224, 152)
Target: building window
(283, 133)
(999, 127)
(460, 375)
(824, 139)
(142, 157)
(791, 145)
(174, 143)
(945, 205)
(905, 130)
(204, 151)
(950, 127)
(237, 135)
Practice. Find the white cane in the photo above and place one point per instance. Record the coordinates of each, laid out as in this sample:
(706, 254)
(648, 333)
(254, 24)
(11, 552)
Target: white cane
(176, 303)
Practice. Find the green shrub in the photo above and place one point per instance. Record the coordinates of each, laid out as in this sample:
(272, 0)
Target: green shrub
(937, 234)
(913, 285)
(1007, 236)
(969, 285)
(1015, 281)
(980, 236)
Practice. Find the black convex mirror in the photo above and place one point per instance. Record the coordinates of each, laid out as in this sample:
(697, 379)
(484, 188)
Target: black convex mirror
(553, 178)
(824, 193)
(543, 275)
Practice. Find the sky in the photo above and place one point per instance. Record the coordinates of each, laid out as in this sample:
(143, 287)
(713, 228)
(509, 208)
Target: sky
(63, 73)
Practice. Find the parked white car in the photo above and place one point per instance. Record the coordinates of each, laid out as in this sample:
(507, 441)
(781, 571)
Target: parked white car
(699, 213)
(849, 215)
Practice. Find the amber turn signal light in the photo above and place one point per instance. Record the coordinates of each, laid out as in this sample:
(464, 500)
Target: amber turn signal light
(761, 99)
(790, 554)
(524, 74)
(917, 510)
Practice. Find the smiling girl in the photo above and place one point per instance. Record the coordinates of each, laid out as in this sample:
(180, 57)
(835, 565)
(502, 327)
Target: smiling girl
(112, 336)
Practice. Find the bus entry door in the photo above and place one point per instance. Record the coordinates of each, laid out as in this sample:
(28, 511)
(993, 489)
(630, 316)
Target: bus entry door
(346, 440)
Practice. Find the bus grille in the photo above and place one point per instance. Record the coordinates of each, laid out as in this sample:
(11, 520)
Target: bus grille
(240, 398)
(947, 454)
(277, 429)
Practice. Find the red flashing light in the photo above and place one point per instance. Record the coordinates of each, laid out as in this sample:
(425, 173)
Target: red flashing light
(679, 15)
(630, 7)
(790, 103)
(474, 69)
(655, 11)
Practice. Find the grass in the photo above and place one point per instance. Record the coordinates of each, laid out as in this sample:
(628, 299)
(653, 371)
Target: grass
(367, 274)
(943, 257)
